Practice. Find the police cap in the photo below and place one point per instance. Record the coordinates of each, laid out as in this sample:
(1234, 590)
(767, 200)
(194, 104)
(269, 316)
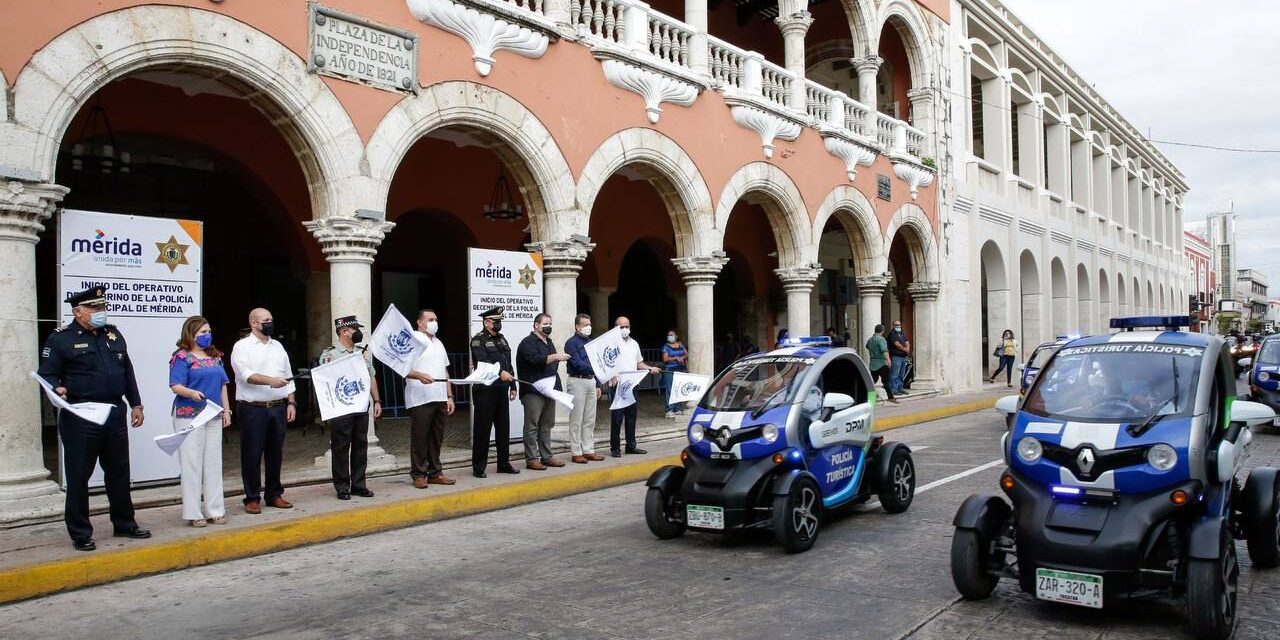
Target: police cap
(93, 296)
(492, 314)
(344, 322)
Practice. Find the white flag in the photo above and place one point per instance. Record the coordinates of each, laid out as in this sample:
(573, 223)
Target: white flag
(394, 344)
(603, 353)
(547, 387)
(342, 386)
(95, 412)
(169, 443)
(486, 373)
(688, 386)
(625, 394)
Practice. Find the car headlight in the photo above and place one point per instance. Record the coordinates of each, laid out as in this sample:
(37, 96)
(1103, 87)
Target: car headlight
(769, 433)
(1029, 449)
(1263, 376)
(697, 434)
(1162, 457)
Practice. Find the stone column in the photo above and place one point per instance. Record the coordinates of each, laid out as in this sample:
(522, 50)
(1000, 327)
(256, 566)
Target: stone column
(599, 309)
(870, 297)
(798, 283)
(695, 15)
(921, 100)
(561, 262)
(794, 26)
(924, 300)
(319, 327)
(699, 274)
(350, 245)
(25, 488)
(867, 69)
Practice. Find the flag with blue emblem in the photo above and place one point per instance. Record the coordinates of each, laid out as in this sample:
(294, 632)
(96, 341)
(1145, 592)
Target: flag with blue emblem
(688, 386)
(342, 386)
(603, 353)
(394, 343)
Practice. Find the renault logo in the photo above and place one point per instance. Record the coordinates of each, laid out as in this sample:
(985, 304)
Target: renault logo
(722, 438)
(1085, 460)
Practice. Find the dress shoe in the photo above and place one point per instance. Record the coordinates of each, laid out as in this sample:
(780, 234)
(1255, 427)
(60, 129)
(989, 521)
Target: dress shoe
(419, 483)
(344, 495)
(363, 492)
(508, 469)
(280, 503)
(637, 451)
(552, 462)
(614, 453)
(534, 465)
(579, 459)
(253, 506)
(479, 474)
(591, 457)
(137, 533)
(441, 479)
(84, 545)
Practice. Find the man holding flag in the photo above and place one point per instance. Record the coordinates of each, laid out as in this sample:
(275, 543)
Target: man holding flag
(349, 434)
(623, 409)
(492, 411)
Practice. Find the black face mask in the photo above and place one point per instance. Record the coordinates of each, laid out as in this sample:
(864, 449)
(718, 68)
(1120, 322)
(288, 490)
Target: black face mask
(357, 336)
(268, 328)
(497, 325)
(546, 330)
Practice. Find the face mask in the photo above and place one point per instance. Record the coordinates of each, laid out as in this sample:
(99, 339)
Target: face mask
(671, 338)
(357, 336)
(433, 327)
(497, 325)
(545, 329)
(203, 341)
(585, 331)
(268, 328)
(98, 319)
(626, 331)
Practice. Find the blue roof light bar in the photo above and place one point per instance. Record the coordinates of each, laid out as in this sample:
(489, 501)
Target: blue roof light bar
(1172, 323)
(813, 341)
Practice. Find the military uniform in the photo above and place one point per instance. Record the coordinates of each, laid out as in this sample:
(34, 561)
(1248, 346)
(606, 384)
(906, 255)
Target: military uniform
(349, 434)
(490, 403)
(93, 365)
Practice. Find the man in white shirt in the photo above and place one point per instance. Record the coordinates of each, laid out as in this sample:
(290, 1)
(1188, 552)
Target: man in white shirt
(429, 398)
(265, 405)
(628, 356)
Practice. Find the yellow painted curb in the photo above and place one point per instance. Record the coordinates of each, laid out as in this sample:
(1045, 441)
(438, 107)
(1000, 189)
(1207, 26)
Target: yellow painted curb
(929, 415)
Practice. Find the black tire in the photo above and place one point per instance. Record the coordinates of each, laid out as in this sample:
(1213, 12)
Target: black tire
(1008, 422)
(1263, 533)
(655, 515)
(898, 488)
(970, 557)
(1212, 592)
(797, 516)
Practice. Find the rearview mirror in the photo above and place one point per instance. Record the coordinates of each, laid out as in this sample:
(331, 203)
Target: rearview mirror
(1251, 413)
(1021, 366)
(837, 401)
(1007, 405)
(1245, 362)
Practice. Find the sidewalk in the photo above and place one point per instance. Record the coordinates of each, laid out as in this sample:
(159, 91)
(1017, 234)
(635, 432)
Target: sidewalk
(38, 559)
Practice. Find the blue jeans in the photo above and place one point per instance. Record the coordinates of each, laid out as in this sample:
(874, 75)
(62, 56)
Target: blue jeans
(895, 376)
(664, 385)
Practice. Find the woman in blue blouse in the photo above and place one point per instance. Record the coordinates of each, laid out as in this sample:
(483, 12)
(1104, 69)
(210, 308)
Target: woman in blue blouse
(674, 358)
(196, 375)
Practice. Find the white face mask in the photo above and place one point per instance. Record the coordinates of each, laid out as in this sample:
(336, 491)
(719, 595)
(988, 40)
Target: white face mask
(585, 331)
(432, 327)
(625, 331)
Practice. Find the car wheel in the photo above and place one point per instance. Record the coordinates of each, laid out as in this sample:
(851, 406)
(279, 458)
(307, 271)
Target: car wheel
(970, 557)
(1211, 592)
(657, 517)
(898, 488)
(1263, 530)
(796, 516)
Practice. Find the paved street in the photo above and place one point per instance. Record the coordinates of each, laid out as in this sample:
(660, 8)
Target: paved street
(587, 567)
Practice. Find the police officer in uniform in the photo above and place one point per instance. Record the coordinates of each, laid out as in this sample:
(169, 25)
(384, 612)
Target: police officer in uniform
(349, 434)
(491, 403)
(88, 361)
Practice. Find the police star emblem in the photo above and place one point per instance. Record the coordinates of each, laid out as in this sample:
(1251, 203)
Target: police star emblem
(172, 253)
(526, 276)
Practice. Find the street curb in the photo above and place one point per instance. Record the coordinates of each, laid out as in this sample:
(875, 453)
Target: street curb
(42, 579)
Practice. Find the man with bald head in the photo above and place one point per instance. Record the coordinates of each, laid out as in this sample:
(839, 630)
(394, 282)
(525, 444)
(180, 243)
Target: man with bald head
(265, 405)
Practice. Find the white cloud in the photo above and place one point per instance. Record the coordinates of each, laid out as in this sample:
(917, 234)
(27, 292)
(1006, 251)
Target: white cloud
(1188, 71)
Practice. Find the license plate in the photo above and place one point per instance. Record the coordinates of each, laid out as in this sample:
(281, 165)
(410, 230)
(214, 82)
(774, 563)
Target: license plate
(704, 517)
(1080, 589)
(1275, 422)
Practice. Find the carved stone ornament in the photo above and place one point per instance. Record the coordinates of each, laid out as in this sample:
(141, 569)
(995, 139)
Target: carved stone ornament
(914, 176)
(653, 86)
(770, 126)
(852, 153)
(483, 31)
(345, 239)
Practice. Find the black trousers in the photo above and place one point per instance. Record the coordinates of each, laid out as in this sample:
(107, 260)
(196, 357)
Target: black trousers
(85, 444)
(262, 432)
(883, 375)
(616, 419)
(349, 445)
(491, 411)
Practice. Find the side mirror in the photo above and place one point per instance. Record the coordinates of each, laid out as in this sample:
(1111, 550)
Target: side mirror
(1245, 362)
(1007, 405)
(1021, 366)
(1251, 413)
(833, 402)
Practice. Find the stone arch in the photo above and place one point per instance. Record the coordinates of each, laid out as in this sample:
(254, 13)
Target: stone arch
(665, 165)
(64, 74)
(766, 185)
(856, 215)
(1122, 299)
(861, 17)
(924, 250)
(1060, 297)
(1031, 300)
(1084, 299)
(906, 19)
(511, 131)
(1104, 301)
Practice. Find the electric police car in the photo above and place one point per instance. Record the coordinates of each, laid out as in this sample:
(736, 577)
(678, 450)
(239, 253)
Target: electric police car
(777, 441)
(1122, 475)
(1264, 377)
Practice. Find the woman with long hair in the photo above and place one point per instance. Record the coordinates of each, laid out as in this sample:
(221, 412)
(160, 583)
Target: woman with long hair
(196, 376)
(1007, 352)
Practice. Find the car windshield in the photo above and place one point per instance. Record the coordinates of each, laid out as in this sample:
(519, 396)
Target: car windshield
(1117, 382)
(756, 384)
(1041, 356)
(1270, 352)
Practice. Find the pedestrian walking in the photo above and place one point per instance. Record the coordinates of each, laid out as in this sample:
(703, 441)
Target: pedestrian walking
(491, 403)
(265, 403)
(196, 376)
(878, 359)
(349, 434)
(674, 359)
(627, 356)
(536, 359)
(585, 391)
(88, 361)
(900, 350)
(1005, 352)
(429, 397)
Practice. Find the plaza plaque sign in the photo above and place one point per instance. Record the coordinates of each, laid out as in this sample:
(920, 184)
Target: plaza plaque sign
(347, 47)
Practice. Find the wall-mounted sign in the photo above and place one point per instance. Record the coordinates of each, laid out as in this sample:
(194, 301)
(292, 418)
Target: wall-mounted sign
(884, 188)
(350, 48)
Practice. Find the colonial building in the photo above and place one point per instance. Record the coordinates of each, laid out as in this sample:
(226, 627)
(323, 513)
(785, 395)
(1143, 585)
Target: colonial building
(1251, 292)
(1057, 213)
(1203, 281)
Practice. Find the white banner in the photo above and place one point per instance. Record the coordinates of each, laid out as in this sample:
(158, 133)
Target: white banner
(511, 280)
(603, 353)
(547, 387)
(688, 386)
(342, 386)
(394, 342)
(486, 373)
(151, 270)
(172, 442)
(625, 394)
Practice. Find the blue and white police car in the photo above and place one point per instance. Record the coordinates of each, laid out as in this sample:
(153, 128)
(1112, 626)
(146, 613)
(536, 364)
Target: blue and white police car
(779, 440)
(1264, 375)
(1121, 480)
